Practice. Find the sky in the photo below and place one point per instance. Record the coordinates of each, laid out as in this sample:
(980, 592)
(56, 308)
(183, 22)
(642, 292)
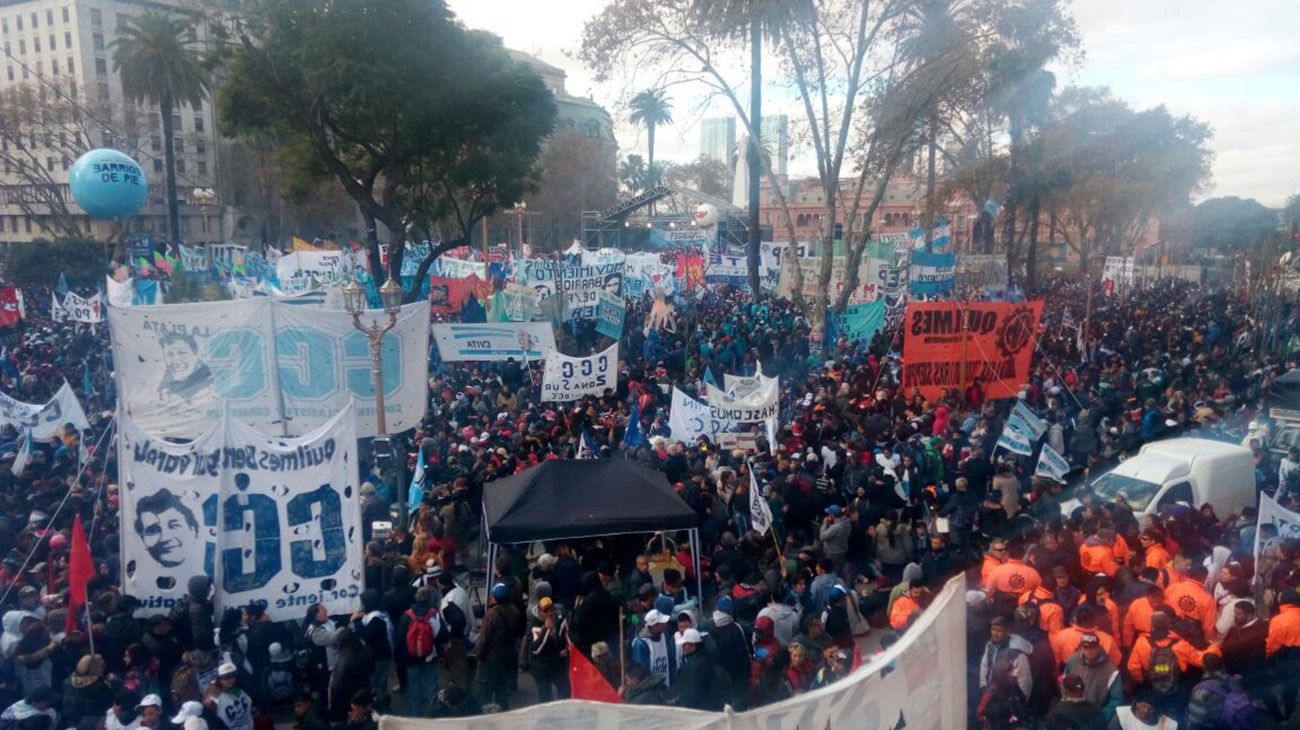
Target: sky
(1235, 65)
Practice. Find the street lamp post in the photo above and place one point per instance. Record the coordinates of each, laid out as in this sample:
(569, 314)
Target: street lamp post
(521, 208)
(354, 300)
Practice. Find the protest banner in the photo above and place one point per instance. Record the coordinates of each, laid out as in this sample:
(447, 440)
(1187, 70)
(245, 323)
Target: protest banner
(269, 518)
(954, 344)
(726, 269)
(325, 267)
(918, 682)
(79, 309)
(194, 259)
(580, 285)
(279, 367)
(45, 420)
(931, 274)
(1274, 526)
(567, 378)
(760, 405)
(610, 313)
(1025, 421)
(494, 342)
(1015, 441)
(986, 273)
(454, 268)
(861, 322)
(689, 419)
(1052, 465)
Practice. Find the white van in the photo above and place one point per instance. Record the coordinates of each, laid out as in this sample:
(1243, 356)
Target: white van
(1189, 470)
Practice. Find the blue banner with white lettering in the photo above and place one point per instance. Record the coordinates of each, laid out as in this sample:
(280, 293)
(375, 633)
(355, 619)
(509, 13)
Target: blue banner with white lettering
(931, 274)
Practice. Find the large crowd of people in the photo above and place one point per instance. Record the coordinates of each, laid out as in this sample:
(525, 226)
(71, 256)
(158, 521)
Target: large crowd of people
(878, 498)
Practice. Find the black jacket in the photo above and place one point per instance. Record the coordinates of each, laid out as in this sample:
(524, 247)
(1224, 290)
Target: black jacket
(729, 648)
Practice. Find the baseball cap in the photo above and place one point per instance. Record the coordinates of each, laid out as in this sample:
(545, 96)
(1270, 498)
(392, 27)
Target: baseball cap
(189, 709)
(654, 618)
(227, 669)
(690, 636)
(834, 510)
(1089, 640)
(545, 603)
(152, 700)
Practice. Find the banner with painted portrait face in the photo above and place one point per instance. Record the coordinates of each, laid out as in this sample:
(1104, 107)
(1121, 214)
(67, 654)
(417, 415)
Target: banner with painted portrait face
(269, 519)
(280, 367)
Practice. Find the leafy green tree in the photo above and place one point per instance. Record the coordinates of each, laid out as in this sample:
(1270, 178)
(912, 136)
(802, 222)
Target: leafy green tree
(39, 263)
(633, 175)
(1291, 216)
(577, 175)
(1231, 223)
(651, 109)
(427, 126)
(158, 58)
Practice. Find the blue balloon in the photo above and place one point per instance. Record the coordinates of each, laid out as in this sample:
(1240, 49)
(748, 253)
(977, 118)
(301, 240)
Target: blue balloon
(108, 184)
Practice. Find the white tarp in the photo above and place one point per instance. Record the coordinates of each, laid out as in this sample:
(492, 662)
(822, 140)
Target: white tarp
(572, 378)
(120, 293)
(326, 267)
(760, 405)
(454, 268)
(919, 682)
(690, 419)
(280, 367)
(494, 341)
(43, 421)
(579, 285)
(79, 309)
(269, 518)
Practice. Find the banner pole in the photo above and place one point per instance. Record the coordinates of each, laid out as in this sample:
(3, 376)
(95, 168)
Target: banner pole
(622, 653)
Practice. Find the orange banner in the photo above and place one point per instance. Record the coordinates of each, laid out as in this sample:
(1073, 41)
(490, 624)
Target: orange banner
(953, 344)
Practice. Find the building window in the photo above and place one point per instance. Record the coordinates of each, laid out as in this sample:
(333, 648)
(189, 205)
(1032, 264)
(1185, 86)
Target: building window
(123, 19)
(19, 19)
(10, 72)
(36, 44)
(66, 17)
(96, 19)
(49, 164)
(27, 74)
(176, 121)
(4, 25)
(67, 39)
(180, 167)
(101, 67)
(198, 104)
(201, 149)
(33, 21)
(49, 16)
(157, 165)
(28, 220)
(40, 68)
(198, 124)
(72, 70)
(102, 89)
(54, 43)
(54, 66)
(203, 167)
(97, 41)
(155, 143)
(180, 146)
(22, 47)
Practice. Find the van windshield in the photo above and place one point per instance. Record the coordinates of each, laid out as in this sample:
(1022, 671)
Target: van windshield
(1136, 492)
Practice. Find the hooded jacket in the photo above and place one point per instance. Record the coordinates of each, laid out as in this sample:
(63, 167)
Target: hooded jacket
(1015, 650)
(785, 622)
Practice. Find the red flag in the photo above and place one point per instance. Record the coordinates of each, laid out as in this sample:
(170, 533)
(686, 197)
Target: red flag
(80, 570)
(586, 681)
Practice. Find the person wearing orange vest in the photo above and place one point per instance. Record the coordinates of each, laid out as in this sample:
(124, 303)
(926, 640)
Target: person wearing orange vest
(1137, 620)
(1097, 554)
(996, 556)
(1154, 554)
(1160, 636)
(907, 606)
(1189, 600)
(1051, 617)
(1014, 576)
(1067, 641)
(1284, 628)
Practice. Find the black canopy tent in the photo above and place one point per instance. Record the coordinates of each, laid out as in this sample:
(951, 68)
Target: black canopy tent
(575, 498)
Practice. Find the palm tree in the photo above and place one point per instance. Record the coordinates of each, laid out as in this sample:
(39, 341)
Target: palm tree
(632, 173)
(651, 108)
(158, 58)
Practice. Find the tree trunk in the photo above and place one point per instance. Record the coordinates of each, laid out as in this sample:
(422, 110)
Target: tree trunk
(1009, 223)
(169, 158)
(375, 263)
(1031, 255)
(928, 215)
(755, 160)
(650, 150)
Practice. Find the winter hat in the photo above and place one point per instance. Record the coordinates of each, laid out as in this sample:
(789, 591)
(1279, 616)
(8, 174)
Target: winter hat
(725, 605)
(500, 592)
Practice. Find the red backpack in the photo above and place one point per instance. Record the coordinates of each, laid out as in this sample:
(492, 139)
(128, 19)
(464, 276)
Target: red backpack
(419, 634)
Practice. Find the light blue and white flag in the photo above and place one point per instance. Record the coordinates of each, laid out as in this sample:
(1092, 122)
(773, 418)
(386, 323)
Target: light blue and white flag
(1015, 442)
(1025, 421)
(1052, 465)
(24, 455)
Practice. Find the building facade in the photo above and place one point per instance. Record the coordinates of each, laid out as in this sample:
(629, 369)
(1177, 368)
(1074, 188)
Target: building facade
(718, 139)
(775, 132)
(60, 96)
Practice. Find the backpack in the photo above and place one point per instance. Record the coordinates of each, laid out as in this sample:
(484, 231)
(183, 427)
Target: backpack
(1221, 703)
(1163, 670)
(421, 635)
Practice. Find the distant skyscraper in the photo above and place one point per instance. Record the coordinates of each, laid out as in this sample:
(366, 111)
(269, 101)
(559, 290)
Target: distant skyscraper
(776, 139)
(717, 138)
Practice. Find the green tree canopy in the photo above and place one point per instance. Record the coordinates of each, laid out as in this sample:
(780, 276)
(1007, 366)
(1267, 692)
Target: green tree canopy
(426, 125)
(1231, 223)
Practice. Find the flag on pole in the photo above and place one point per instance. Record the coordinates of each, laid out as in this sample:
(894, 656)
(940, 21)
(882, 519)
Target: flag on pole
(585, 680)
(81, 568)
(87, 382)
(632, 437)
(1015, 441)
(760, 514)
(709, 380)
(1052, 465)
(415, 493)
(62, 288)
(161, 263)
(1026, 421)
(587, 445)
(24, 455)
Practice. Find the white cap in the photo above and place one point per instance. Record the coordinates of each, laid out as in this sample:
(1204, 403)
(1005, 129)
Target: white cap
(690, 636)
(227, 669)
(188, 710)
(195, 723)
(654, 618)
(150, 701)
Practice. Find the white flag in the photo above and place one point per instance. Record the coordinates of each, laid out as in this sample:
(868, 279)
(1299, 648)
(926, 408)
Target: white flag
(1015, 442)
(759, 513)
(1052, 465)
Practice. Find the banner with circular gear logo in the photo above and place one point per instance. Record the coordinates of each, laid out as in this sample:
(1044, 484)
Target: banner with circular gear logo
(954, 344)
